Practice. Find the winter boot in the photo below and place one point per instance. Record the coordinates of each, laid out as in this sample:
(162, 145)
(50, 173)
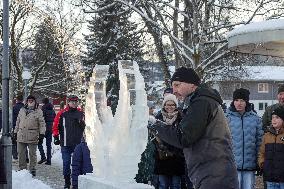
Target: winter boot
(67, 182)
(42, 160)
(33, 173)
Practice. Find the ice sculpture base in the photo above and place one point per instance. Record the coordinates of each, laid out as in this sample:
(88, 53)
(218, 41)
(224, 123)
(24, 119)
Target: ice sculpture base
(91, 182)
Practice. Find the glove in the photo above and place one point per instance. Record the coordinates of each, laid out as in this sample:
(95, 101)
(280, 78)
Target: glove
(14, 138)
(259, 171)
(56, 140)
(40, 138)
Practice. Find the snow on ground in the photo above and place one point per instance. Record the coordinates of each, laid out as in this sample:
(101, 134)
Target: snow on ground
(23, 180)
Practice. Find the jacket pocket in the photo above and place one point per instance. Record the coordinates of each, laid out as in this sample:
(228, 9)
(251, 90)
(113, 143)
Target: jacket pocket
(32, 135)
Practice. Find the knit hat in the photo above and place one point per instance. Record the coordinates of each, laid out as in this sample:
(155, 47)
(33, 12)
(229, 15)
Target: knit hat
(279, 111)
(72, 98)
(170, 97)
(241, 93)
(168, 90)
(187, 75)
(31, 97)
(281, 88)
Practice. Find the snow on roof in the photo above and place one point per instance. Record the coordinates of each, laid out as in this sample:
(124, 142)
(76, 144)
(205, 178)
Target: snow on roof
(275, 24)
(271, 73)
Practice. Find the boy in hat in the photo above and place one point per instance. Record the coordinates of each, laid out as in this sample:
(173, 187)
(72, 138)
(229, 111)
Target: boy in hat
(246, 130)
(271, 154)
(266, 118)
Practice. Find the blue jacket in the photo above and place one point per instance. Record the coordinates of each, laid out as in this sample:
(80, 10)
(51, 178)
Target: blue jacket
(81, 162)
(16, 110)
(49, 115)
(246, 131)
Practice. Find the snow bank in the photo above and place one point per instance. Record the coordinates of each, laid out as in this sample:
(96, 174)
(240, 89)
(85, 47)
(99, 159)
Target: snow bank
(23, 180)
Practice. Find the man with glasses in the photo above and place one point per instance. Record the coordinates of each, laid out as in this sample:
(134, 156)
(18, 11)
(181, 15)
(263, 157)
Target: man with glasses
(68, 128)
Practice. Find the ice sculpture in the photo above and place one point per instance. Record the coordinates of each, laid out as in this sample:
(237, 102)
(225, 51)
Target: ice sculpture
(116, 143)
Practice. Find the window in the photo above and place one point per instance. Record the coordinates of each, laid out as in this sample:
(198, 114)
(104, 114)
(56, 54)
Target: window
(238, 85)
(260, 106)
(263, 87)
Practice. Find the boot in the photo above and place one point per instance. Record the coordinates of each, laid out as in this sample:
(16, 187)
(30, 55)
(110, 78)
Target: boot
(33, 173)
(67, 182)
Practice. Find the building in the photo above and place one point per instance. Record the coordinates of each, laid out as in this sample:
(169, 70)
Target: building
(261, 81)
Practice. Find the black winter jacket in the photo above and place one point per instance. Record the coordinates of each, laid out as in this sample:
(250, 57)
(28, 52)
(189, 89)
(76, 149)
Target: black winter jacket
(49, 115)
(16, 110)
(71, 127)
(206, 141)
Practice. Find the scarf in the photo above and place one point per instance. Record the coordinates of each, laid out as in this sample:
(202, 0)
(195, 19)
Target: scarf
(169, 118)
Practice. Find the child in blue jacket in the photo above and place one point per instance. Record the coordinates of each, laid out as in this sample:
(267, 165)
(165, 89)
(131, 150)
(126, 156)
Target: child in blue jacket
(81, 162)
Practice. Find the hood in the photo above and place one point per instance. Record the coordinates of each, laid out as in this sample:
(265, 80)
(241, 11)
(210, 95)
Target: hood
(208, 92)
(273, 131)
(47, 106)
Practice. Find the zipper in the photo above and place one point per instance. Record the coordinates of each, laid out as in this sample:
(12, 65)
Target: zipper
(243, 142)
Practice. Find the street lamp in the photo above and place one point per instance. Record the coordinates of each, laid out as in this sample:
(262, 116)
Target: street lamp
(26, 75)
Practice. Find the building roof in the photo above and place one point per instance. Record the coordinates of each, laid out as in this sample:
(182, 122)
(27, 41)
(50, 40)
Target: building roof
(270, 73)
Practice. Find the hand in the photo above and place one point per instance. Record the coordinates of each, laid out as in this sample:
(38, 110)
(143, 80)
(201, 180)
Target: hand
(40, 138)
(56, 140)
(14, 138)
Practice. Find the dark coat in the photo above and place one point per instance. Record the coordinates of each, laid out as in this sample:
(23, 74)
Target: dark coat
(206, 141)
(81, 162)
(174, 164)
(49, 115)
(271, 155)
(16, 109)
(70, 126)
(2, 166)
(0, 119)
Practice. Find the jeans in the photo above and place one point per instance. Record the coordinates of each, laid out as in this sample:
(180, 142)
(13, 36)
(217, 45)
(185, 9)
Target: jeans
(246, 179)
(48, 137)
(172, 182)
(275, 185)
(66, 152)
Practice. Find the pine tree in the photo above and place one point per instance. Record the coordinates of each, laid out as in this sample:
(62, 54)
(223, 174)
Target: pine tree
(112, 37)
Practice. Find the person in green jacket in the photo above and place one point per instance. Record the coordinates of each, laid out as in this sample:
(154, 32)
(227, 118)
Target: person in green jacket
(266, 118)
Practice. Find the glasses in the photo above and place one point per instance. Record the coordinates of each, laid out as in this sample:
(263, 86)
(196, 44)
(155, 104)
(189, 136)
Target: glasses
(170, 105)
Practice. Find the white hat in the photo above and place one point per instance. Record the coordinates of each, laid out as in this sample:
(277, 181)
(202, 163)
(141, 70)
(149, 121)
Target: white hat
(170, 97)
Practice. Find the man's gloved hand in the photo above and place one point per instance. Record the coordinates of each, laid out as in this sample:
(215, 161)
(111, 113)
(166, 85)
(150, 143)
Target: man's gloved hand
(14, 138)
(40, 138)
(56, 140)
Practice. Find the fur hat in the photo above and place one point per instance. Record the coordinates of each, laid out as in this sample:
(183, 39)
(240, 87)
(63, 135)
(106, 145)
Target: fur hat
(279, 111)
(281, 88)
(168, 98)
(187, 75)
(241, 93)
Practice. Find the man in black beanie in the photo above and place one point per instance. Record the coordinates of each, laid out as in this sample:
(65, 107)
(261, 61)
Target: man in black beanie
(266, 117)
(203, 135)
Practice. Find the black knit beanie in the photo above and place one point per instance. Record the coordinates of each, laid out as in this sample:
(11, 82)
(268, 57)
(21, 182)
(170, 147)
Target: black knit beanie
(279, 111)
(187, 75)
(281, 88)
(241, 93)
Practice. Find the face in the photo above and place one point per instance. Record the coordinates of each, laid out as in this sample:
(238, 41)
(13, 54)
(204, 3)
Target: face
(31, 102)
(170, 106)
(182, 89)
(240, 105)
(73, 104)
(276, 122)
(280, 97)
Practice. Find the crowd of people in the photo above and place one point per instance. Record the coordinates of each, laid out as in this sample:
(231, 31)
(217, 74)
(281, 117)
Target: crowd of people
(197, 143)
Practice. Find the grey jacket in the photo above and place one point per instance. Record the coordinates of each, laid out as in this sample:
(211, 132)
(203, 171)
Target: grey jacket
(206, 142)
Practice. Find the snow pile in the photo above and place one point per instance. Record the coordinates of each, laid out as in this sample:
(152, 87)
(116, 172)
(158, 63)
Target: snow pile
(23, 180)
(276, 24)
